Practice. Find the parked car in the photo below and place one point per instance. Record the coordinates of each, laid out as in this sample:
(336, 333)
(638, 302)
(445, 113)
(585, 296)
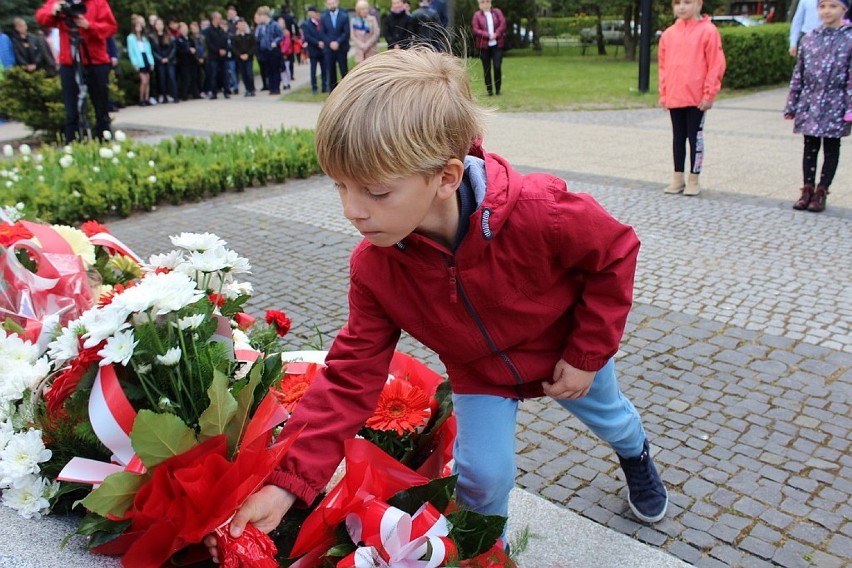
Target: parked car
(735, 21)
(613, 32)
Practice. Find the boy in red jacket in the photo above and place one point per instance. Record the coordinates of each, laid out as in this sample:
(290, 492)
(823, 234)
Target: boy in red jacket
(521, 287)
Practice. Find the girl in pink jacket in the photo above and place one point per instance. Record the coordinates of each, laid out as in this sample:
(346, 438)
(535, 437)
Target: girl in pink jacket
(691, 67)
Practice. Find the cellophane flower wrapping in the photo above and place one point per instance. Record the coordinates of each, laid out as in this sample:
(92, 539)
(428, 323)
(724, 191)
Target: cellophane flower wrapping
(382, 513)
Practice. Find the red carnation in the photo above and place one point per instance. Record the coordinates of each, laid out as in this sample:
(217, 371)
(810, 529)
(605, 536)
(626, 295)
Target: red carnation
(12, 233)
(217, 299)
(279, 320)
(92, 228)
(65, 384)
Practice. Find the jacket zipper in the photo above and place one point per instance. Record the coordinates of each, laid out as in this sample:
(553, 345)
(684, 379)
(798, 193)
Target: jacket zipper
(456, 290)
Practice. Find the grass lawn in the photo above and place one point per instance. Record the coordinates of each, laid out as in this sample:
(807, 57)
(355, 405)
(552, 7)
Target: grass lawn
(553, 80)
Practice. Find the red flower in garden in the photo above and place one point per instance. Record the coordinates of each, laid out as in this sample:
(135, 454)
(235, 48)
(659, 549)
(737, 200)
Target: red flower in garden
(279, 320)
(217, 299)
(402, 408)
(12, 233)
(294, 385)
(92, 228)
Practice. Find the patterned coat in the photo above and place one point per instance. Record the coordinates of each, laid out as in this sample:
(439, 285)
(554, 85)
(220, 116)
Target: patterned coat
(821, 87)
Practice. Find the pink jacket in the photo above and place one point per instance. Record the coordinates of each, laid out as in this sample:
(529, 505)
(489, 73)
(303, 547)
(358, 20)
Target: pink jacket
(542, 274)
(692, 63)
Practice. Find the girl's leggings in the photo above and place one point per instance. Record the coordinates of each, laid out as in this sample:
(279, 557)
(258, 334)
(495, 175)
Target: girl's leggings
(485, 443)
(830, 154)
(688, 124)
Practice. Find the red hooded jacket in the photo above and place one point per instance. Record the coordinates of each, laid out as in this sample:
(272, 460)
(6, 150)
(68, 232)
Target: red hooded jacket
(541, 274)
(102, 26)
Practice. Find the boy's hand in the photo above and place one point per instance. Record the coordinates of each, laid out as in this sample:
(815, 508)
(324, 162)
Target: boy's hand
(264, 510)
(705, 105)
(568, 382)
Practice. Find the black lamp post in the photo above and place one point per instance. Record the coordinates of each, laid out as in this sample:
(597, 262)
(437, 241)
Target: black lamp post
(644, 45)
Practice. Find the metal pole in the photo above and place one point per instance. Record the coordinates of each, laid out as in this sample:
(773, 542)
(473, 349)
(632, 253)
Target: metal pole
(645, 45)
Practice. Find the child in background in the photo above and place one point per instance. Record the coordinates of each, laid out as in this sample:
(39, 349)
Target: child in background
(820, 99)
(691, 67)
(286, 58)
(520, 286)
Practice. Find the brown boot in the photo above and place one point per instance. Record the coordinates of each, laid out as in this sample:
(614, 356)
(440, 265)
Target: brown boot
(677, 184)
(692, 186)
(805, 199)
(817, 204)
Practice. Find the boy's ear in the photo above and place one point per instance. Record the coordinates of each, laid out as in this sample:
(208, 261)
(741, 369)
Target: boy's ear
(451, 177)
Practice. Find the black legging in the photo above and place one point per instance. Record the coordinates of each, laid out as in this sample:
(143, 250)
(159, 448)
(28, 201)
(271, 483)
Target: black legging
(830, 154)
(492, 55)
(688, 124)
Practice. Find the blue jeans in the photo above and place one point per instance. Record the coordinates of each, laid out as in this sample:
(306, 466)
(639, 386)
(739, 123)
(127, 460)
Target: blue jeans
(485, 444)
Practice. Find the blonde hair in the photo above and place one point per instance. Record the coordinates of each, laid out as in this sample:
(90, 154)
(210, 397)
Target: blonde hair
(399, 113)
(362, 4)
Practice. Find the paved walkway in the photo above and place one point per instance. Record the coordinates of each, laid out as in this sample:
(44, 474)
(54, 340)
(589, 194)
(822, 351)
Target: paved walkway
(738, 351)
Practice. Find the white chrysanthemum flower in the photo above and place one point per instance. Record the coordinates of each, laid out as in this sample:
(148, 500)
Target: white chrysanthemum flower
(25, 149)
(105, 153)
(211, 260)
(107, 135)
(15, 348)
(190, 322)
(152, 179)
(78, 241)
(135, 299)
(143, 369)
(240, 288)
(120, 135)
(174, 291)
(238, 264)
(103, 323)
(8, 151)
(199, 242)
(151, 163)
(31, 499)
(171, 357)
(118, 349)
(170, 260)
(21, 457)
(66, 160)
(7, 430)
(241, 340)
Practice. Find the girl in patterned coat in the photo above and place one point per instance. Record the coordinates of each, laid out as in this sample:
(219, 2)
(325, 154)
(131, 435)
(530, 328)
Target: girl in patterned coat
(820, 99)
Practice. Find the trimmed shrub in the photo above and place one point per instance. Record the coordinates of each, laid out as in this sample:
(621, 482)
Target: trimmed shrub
(570, 26)
(757, 55)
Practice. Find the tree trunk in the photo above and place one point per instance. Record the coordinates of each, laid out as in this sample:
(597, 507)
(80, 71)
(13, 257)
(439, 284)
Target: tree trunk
(629, 33)
(599, 30)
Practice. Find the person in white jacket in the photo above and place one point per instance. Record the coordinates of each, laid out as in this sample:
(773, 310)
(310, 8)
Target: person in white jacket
(805, 20)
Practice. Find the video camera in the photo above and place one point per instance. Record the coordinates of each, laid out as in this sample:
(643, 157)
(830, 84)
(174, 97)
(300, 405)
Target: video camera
(70, 9)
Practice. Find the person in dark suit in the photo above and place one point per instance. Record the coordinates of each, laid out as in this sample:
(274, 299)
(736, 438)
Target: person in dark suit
(334, 33)
(314, 45)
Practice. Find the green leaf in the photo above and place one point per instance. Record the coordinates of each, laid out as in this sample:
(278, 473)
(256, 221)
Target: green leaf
(474, 533)
(245, 399)
(223, 407)
(97, 527)
(439, 492)
(157, 437)
(115, 495)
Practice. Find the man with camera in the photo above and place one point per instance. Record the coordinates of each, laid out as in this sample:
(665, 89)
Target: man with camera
(84, 27)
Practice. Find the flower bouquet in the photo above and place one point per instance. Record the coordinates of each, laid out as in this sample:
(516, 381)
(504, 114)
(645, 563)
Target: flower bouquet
(152, 401)
(382, 514)
(413, 421)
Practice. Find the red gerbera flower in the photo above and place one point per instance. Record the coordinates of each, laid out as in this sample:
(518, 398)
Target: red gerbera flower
(12, 233)
(92, 228)
(402, 408)
(66, 382)
(279, 320)
(293, 386)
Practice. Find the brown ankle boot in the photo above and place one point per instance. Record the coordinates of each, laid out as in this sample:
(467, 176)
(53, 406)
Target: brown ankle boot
(817, 204)
(805, 199)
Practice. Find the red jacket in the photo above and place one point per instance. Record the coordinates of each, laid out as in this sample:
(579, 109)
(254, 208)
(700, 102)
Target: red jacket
(691, 63)
(480, 28)
(541, 274)
(102, 26)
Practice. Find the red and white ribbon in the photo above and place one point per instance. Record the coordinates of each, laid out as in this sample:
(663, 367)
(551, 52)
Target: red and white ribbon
(110, 243)
(112, 419)
(395, 539)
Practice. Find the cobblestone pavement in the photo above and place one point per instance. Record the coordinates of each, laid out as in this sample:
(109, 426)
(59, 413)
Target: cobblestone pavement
(738, 354)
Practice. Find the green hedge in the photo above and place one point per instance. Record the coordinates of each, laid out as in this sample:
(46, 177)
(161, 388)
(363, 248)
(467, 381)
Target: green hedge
(757, 55)
(565, 26)
(94, 181)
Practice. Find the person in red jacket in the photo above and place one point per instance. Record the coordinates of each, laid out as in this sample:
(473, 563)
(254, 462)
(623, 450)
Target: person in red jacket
(93, 22)
(489, 31)
(691, 67)
(520, 286)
